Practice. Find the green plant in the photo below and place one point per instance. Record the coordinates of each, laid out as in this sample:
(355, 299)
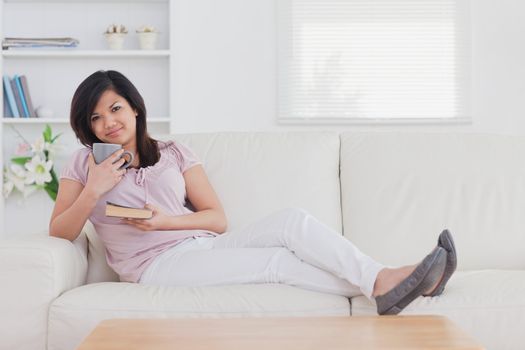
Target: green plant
(32, 167)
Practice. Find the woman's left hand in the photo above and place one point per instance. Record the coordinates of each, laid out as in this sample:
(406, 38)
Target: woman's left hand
(159, 220)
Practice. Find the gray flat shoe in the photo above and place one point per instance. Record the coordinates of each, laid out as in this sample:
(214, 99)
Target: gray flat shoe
(446, 242)
(426, 274)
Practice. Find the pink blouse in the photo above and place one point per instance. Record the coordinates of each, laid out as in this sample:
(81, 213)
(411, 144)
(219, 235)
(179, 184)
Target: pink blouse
(129, 250)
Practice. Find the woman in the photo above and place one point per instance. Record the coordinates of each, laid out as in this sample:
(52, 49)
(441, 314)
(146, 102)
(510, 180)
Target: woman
(181, 247)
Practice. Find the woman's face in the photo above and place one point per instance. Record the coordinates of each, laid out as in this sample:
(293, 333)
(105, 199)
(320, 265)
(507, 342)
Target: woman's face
(113, 120)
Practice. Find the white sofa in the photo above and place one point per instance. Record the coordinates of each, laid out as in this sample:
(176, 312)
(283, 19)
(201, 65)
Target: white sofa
(391, 193)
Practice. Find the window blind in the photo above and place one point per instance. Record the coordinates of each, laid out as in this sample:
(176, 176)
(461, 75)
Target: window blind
(373, 60)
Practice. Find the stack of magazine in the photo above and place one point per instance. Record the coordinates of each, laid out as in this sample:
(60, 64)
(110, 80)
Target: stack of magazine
(38, 42)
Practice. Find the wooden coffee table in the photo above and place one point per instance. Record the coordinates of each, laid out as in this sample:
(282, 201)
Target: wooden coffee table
(290, 333)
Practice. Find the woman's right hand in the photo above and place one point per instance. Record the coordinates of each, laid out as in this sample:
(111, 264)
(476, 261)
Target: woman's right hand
(106, 175)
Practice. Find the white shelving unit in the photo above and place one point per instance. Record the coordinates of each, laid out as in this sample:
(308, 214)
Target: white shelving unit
(25, 53)
(54, 74)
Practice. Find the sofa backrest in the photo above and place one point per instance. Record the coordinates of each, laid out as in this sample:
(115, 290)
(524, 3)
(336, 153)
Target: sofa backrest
(256, 173)
(399, 190)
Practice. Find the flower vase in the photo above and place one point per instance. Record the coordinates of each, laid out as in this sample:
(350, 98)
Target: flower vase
(147, 40)
(115, 40)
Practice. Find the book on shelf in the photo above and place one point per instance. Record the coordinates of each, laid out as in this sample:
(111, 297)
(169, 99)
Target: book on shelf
(7, 110)
(18, 97)
(38, 42)
(25, 111)
(27, 96)
(18, 100)
(121, 211)
(11, 102)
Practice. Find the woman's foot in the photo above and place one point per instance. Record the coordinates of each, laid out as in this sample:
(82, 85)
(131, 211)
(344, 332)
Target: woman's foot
(396, 288)
(387, 279)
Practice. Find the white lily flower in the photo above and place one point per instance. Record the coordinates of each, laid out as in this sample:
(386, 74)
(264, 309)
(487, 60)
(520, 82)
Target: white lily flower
(14, 177)
(17, 175)
(52, 149)
(39, 171)
(38, 146)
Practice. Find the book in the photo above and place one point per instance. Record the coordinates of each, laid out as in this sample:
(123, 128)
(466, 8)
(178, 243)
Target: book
(27, 96)
(16, 96)
(10, 96)
(121, 211)
(25, 111)
(7, 111)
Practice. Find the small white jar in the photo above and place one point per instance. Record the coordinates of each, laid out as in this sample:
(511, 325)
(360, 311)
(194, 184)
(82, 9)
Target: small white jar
(115, 40)
(147, 40)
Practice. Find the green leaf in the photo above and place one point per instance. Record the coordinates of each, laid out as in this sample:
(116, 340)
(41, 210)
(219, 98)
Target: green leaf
(56, 137)
(51, 193)
(55, 187)
(52, 187)
(20, 160)
(53, 175)
(47, 133)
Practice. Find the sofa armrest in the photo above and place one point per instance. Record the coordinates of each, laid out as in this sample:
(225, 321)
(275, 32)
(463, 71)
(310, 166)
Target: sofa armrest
(34, 271)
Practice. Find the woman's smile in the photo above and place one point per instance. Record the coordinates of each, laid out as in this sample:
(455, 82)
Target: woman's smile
(114, 133)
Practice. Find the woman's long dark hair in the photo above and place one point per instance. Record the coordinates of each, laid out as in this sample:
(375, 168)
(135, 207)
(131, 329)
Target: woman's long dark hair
(86, 98)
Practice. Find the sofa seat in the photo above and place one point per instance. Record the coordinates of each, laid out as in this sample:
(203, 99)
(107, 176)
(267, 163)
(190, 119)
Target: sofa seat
(487, 304)
(75, 313)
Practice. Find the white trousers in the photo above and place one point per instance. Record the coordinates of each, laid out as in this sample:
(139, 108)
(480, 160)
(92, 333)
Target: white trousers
(289, 246)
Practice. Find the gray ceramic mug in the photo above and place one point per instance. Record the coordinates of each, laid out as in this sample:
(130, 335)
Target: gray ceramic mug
(103, 150)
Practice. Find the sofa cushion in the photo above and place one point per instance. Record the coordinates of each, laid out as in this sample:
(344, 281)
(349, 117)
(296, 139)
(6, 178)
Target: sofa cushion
(400, 189)
(98, 268)
(257, 173)
(487, 304)
(74, 314)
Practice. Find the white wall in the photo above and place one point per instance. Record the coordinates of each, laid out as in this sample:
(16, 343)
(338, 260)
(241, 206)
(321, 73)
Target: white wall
(225, 76)
(227, 68)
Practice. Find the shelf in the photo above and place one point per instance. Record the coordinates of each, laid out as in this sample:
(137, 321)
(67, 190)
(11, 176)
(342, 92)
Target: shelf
(74, 53)
(33, 120)
(62, 120)
(105, 1)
